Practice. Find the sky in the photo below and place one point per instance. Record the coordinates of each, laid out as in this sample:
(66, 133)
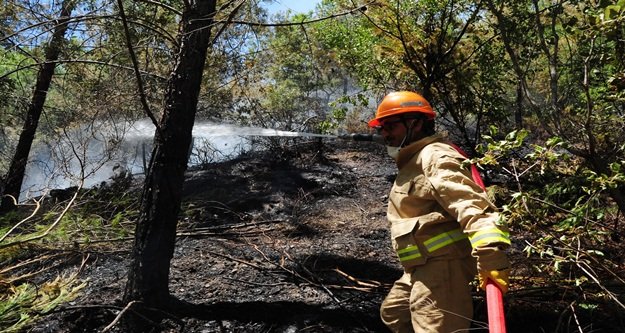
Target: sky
(295, 5)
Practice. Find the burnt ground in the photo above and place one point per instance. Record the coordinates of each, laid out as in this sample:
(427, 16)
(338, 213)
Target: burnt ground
(279, 243)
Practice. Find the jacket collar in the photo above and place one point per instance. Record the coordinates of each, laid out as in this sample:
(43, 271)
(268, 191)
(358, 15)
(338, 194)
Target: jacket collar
(408, 152)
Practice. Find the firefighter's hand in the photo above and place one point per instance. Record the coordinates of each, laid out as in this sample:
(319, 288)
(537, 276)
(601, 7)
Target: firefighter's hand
(500, 277)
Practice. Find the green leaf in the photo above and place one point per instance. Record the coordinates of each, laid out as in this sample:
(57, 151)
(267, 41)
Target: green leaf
(553, 141)
(596, 252)
(510, 136)
(611, 12)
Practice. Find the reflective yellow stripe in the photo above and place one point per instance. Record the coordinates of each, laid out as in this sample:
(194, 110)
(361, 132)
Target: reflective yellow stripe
(432, 244)
(409, 253)
(489, 236)
(444, 239)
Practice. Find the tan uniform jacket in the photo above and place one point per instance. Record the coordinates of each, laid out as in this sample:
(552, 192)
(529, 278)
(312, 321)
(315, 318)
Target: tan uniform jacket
(436, 209)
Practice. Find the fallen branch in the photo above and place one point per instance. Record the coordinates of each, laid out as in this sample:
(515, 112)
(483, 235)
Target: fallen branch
(119, 316)
(237, 260)
(258, 284)
(362, 289)
(128, 308)
(31, 261)
(38, 205)
(232, 226)
(13, 280)
(52, 226)
(232, 234)
(370, 283)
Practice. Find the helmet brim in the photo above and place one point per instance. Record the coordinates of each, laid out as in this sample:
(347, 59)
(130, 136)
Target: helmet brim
(375, 122)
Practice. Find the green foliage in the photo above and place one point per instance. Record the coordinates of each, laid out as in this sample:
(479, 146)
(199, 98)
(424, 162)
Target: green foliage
(106, 212)
(12, 85)
(291, 81)
(72, 227)
(492, 149)
(98, 216)
(440, 49)
(352, 44)
(23, 304)
(7, 219)
(337, 116)
(555, 204)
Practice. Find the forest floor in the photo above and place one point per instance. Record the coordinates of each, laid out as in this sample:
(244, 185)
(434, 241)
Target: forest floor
(277, 244)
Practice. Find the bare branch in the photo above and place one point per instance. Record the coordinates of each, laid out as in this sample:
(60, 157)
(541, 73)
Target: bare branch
(68, 61)
(133, 57)
(38, 205)
(290, 24)
(230, 18)
(160, 4)
(84, 18)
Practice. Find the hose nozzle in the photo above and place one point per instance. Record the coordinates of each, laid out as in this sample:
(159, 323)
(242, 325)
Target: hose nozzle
(362, 137)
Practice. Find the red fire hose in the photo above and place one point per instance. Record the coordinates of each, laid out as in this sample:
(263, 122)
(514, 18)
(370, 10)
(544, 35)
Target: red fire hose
(494, 303)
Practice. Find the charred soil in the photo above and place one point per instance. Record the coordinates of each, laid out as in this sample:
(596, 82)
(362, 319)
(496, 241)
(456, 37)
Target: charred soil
(278, 243)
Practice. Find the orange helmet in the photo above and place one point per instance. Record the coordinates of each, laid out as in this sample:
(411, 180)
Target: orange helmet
(402, 102)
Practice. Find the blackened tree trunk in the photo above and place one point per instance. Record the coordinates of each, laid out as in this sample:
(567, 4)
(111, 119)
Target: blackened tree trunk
(17, 169)
(155, 233)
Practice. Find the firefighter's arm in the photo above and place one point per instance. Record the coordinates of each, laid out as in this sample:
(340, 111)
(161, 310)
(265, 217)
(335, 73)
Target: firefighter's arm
(478, 217)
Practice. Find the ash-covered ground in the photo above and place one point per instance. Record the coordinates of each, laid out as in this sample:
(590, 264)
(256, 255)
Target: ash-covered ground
(279, 243)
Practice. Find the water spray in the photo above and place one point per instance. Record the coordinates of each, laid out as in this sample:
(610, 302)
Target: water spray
(216, 130)
(137, 138)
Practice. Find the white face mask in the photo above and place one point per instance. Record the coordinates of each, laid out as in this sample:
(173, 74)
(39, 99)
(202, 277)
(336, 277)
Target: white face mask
(393, 151)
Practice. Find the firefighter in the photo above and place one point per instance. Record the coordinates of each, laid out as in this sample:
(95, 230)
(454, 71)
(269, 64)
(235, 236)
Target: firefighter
(444, 228)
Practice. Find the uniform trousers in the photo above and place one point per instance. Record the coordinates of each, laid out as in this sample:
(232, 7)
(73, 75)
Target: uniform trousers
(432, 298)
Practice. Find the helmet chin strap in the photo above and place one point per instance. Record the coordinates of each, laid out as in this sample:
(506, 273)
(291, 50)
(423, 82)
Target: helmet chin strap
(408, 131)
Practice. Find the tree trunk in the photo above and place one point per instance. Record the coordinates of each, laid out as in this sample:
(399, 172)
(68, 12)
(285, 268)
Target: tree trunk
(155, 235)
(17, 169)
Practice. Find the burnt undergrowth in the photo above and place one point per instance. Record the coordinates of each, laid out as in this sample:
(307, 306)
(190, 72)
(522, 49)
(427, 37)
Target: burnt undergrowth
(297, 244)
